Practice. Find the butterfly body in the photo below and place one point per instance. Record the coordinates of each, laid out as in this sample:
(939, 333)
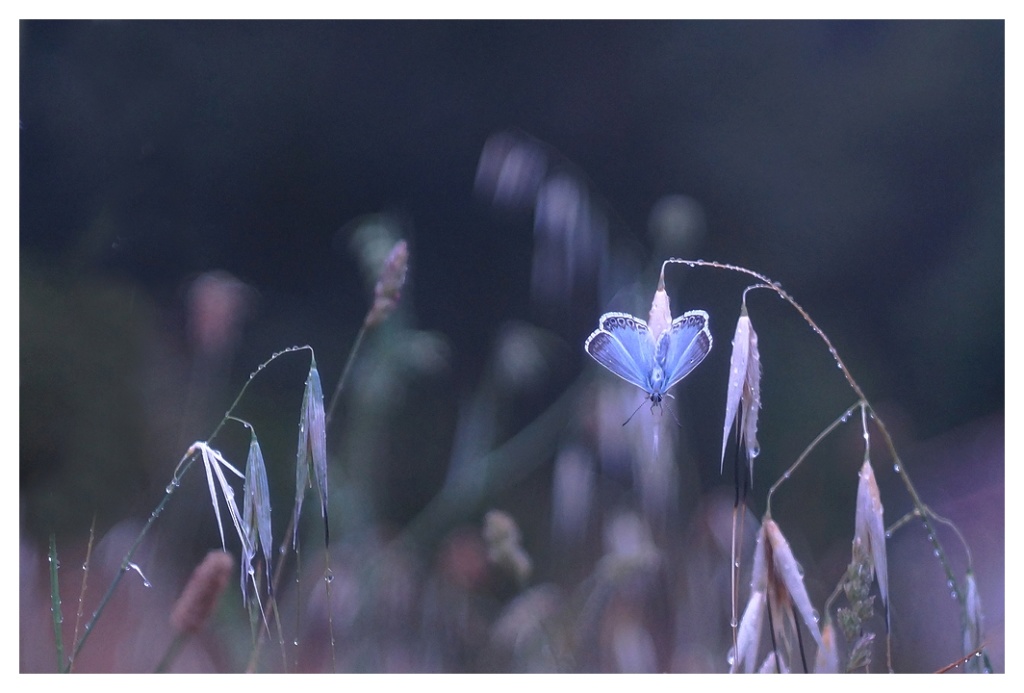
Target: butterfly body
(625, 345)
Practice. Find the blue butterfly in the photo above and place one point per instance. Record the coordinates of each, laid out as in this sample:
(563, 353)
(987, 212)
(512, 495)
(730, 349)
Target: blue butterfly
(624, 345)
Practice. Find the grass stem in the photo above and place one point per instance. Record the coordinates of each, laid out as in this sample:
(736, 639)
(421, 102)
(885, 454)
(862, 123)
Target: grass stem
(55, 609)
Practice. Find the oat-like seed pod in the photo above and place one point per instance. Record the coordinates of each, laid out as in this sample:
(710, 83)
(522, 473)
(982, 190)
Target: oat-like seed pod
(744, 391)
(312, 450)
(869, 526)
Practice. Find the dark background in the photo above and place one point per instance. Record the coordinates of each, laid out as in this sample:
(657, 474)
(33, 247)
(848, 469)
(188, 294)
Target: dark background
(861, 164)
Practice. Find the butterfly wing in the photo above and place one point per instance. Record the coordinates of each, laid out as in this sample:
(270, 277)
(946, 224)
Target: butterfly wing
(623, 345)
(683, 346)
(635, 336)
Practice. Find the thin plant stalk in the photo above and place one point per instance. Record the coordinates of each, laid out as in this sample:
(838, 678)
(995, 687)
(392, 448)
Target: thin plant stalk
(841, 419)
(81, 594)
(328, 578)
(915, 513)
(252, 376)
(58, 618)
(344, 373)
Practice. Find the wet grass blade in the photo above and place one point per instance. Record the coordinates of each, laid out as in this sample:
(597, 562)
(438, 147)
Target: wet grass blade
(58, 617)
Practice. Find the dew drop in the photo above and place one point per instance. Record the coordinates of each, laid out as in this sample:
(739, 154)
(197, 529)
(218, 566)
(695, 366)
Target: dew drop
(815, 615)
(896, 468)
(137, 569)
(888, 535)
(295, 642)
(169, 489)
(935, 552)
(329, 576)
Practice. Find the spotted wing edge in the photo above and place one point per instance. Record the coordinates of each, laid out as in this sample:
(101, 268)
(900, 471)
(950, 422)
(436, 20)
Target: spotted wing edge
(608, 350)
(687, 354)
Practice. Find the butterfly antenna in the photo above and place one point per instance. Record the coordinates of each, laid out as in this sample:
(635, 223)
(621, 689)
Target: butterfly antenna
(678, 423)
(633, 414)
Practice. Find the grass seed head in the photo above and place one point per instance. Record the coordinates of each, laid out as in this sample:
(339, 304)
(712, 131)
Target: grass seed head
(503, 546)
(748, 639)
(389, 284)
(312, 449)
(200, 595)
(215, 464)
(218, 305)
(786, 579)
(869, 526)
(256, 514)
(660, 318)
(744, 390)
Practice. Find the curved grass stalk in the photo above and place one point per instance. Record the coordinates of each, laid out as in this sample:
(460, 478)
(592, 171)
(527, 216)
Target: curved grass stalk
(841, 419)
